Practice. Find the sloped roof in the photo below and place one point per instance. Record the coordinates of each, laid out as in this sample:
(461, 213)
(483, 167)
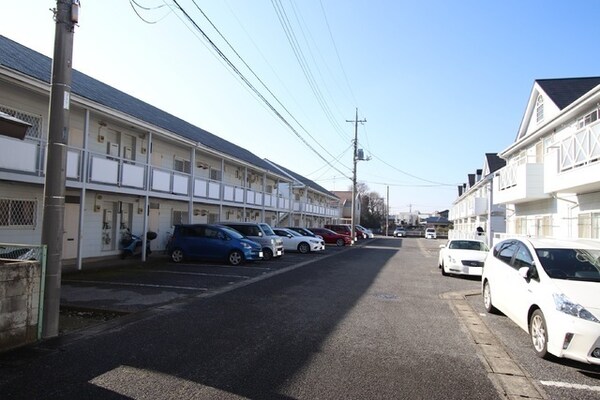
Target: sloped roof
(31, 63)
(303, 180)
(566, 90)
(437, 220)
(494, 162)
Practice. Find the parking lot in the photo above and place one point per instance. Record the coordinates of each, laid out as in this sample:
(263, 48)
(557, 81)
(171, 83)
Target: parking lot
(135, 286)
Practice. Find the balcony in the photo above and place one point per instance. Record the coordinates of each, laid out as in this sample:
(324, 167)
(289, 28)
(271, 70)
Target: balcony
(520, 182)
(573, 166)
(24, 161)
(480, 206)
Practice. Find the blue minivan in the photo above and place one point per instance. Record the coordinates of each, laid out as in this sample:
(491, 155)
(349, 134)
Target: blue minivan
(212, 242)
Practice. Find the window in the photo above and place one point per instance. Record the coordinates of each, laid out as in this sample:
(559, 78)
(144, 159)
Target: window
(543, 226)
(523, 258)
(589, 225)
(18, 213)
(539, 109)
(587, 119)
(181, 165)
(504, 251)
(213, 218)
(215, 174)
(180, 217)
(521, 225)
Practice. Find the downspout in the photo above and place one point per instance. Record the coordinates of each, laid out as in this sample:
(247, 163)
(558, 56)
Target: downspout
(147, 197)
(84, 172)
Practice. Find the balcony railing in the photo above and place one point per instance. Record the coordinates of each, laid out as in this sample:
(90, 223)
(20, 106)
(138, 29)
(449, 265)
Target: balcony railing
(26, 158)
(520, 181)
(580, 149)
(574, 164)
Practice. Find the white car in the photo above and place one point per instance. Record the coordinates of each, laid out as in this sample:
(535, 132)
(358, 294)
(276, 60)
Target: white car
(430, 233)
(551, 289)
(367, 233)
(462, 257)
(293, 241)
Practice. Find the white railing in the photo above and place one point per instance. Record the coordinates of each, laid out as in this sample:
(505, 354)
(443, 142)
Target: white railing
(580, 149)
(26, 157)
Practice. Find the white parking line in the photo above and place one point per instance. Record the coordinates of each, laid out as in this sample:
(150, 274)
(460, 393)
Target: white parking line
(137, 285)
(571, 386)
(199, 274)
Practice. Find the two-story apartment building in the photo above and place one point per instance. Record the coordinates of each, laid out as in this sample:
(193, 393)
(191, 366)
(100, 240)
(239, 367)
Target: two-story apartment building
(473, 213)
(132, 166)
(551, 181)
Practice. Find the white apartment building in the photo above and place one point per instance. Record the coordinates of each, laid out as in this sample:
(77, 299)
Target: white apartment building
(550, 185)
(132, 166)
(473, 213)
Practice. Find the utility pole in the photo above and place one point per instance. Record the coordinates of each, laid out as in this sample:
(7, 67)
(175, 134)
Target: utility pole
(66, 16)
(355, 159)
(387, 210)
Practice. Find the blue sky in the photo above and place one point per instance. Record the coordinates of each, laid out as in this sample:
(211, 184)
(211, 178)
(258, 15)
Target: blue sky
(440, 83)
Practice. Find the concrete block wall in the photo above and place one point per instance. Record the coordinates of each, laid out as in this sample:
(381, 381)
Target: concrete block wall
(19, 303)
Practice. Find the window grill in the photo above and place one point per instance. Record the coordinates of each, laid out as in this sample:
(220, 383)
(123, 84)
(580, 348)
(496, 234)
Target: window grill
(35, 130)
(18, 213)
(180, 217)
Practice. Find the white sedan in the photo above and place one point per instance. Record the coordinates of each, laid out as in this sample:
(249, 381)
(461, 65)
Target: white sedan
(293, 241)
(462, 257)
(550, 289)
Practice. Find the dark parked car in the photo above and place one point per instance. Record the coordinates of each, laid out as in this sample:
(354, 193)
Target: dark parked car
(212, 242)
(332, 237)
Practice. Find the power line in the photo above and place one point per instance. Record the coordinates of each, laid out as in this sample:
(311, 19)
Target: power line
(250, 85)
(132, 2)
(304, 66)
(337, 53)
(257, 77)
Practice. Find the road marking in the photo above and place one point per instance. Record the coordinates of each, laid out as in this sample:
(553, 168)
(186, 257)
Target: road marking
(136, 285)
(198, 273)
(571, 386)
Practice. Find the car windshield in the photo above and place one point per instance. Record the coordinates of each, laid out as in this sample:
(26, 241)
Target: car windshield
(467, 245)
(232, 232)
(267, 229)
(574, 264)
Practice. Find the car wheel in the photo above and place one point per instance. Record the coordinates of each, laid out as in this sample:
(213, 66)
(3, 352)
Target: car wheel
(487, 299)
(340, 242)
(236, 257)
(267, 254)
(443, 270)
(303, 248)
(177, 255)
(539, 334)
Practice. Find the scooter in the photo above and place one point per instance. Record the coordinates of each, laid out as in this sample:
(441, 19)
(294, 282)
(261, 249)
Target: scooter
(131, 245)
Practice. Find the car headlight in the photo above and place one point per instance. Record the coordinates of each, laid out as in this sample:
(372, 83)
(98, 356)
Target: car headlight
(314, 241)
(565, 305)
(452, 259)
(246, 246)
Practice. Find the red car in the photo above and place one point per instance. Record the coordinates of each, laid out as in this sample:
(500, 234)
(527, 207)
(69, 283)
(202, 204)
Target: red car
(331, 237)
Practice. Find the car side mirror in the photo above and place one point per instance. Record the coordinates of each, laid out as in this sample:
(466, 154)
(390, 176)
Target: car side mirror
(529, 273)
(442, 246)
(289, 235)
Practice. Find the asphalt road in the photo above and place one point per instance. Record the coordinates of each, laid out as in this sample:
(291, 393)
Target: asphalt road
(369, 322)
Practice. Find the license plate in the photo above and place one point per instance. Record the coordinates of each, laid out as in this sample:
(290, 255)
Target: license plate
(278, 252)
(260, 254)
